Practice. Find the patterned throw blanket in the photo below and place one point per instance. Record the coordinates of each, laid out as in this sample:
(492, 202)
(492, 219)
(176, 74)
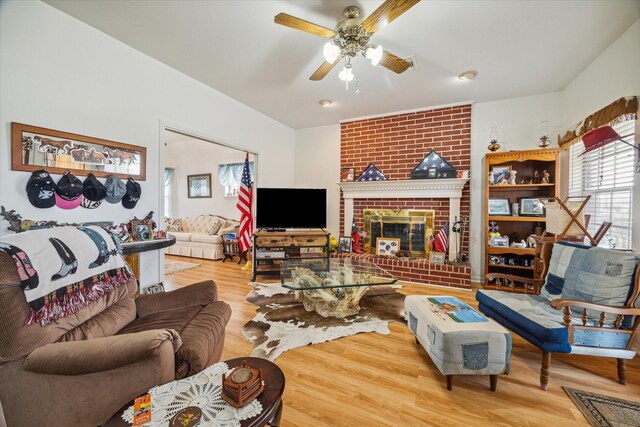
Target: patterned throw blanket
(63, 270)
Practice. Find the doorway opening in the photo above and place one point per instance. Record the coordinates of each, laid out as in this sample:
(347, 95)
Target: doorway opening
(201, 180)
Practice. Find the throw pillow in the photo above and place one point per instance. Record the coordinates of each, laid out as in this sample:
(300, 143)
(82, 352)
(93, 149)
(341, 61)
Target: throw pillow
(215, 225)
(174, 224)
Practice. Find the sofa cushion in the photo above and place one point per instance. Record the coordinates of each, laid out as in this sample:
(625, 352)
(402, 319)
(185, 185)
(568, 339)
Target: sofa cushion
(591, 274)
(182, 236)
(200, 328)
(206, 238)
(173, 224)
(198, 224)
(215, 224)
(529, 316)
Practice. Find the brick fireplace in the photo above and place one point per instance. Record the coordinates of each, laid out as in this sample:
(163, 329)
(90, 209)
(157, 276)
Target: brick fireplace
(396, 144)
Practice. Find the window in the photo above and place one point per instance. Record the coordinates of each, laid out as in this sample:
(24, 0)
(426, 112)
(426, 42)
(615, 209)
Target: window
(607, 175)
(231, 190)
(230, 175)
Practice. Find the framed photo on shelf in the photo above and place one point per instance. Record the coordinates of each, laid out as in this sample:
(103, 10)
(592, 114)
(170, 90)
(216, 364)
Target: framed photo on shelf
(347, 174)
(344, 245)
(499, 207)
(437, 257)
(199, 186)
(500, 242)
(387, 246)
(501, 174)
(531, 206)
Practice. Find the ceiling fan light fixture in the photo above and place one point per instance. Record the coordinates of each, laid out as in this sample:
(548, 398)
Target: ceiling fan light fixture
(468, 75)
(330, 52)
(374, 54)
(346, 75)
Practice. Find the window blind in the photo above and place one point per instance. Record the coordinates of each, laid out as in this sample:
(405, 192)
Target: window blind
(607, 175)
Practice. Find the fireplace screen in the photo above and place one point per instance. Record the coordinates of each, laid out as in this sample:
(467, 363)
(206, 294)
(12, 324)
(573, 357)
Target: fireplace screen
(413, 227)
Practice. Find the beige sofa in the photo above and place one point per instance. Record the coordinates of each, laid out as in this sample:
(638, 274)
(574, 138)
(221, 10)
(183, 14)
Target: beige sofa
(199, 236)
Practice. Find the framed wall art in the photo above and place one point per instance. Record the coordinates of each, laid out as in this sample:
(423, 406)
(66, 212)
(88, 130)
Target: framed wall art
(387, 246)
(199, 186)
(34, 148)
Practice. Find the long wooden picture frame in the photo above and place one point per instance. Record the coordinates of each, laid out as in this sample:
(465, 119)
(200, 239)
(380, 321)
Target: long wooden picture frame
(34, 148)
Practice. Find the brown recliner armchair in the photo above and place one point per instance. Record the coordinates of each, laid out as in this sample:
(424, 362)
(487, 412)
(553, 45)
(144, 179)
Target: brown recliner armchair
(82, 368)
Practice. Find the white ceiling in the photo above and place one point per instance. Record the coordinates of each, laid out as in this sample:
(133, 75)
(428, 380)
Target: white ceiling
(519, 48)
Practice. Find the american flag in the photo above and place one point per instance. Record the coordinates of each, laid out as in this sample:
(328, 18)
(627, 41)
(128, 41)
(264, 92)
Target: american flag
(441, 244)
(245, 200)
(371, 173)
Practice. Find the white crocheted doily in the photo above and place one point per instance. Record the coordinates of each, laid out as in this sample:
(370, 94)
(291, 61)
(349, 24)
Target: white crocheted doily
(201, 390)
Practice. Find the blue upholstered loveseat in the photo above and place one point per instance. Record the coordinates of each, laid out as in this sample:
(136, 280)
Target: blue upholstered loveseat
(587, 304)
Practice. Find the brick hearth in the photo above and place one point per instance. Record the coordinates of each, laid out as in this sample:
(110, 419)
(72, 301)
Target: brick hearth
(396, 144)
(419, 270)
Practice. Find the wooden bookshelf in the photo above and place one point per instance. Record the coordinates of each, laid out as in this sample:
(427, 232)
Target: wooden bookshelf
(525, 162)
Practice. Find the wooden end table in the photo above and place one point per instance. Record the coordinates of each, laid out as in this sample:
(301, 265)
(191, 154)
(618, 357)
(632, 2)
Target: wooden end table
(270, 398)
(230, 248)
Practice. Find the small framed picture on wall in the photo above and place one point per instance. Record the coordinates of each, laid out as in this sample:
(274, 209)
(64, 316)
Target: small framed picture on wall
(199, 186)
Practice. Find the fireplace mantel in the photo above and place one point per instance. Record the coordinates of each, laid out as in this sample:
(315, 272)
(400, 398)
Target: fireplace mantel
(413, 188)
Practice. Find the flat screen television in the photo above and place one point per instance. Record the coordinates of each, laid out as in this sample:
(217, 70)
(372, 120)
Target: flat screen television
(291, 208)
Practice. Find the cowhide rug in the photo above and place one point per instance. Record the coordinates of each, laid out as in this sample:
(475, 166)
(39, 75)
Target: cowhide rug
(282, 323)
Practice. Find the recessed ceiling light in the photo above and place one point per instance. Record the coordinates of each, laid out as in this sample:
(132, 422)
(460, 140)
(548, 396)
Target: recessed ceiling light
(325, 102)
(468, 75)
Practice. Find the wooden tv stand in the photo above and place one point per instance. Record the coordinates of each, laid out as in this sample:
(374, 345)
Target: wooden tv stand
(272, 248)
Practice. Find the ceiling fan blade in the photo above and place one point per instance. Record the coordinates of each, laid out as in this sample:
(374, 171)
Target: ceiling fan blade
(394, 63)
(324, 69)
(386, 13)
(302, 25)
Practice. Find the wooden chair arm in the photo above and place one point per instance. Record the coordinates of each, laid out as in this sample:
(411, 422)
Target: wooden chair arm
(620, 312)
(558, 304)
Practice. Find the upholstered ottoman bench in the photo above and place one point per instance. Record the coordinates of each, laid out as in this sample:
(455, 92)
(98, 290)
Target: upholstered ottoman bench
(459, 340)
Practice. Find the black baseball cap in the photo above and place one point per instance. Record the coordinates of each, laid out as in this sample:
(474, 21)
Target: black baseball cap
(69, 192)
(93, 190)
(130, 199)
(41, 189)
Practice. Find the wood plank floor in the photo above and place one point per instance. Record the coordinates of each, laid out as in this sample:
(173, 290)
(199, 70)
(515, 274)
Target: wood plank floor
(387, 380)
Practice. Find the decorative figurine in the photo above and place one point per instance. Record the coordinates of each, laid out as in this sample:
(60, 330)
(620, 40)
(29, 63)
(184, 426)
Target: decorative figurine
(536, 177)
(546, 178)
(492, 177)
(512, 177)
(538, 230)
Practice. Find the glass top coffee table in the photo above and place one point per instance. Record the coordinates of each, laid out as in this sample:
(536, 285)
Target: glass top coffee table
(334, 287)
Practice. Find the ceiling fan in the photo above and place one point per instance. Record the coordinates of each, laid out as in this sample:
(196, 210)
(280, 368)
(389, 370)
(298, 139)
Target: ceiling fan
(351, 36)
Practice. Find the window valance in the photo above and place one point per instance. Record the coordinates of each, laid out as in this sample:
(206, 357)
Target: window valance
(231, 173)
(619, 111)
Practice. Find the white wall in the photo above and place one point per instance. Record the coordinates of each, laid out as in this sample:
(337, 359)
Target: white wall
(194, 157)
(518, 121)
(614, 74)
(59, 73)
(317, 165)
